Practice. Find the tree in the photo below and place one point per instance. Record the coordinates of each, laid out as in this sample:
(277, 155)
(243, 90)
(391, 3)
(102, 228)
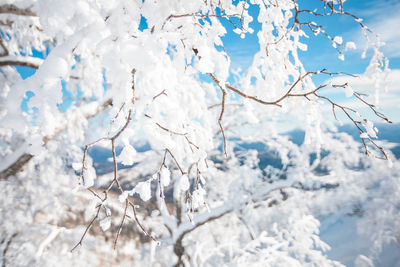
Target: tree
(151, 81)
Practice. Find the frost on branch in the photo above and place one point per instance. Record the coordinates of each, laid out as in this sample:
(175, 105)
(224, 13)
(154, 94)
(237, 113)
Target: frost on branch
(144, 190)
(133, 104)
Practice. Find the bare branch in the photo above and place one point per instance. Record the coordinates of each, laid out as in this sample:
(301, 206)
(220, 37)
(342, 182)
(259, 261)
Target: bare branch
(87, 228)
(162, 93)
(372, 107)
(16, 166)
(7, 246)
(251, 97)
(174, 132)
(173, 157)
(140, 225)
(346, 111)
(307, 95)
(12, 9)
(5, 49)
(198, 15)
(221, 115)
(122, 222)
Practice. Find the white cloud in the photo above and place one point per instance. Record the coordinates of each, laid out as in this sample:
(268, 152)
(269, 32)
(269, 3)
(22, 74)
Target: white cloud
(389, 33)
(364, 84)
(383, 19)
(389, 100)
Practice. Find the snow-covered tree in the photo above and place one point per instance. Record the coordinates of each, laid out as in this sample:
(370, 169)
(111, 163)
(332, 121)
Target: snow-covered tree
(208, 178)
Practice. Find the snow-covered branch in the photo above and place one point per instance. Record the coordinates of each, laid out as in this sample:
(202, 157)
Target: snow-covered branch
(19, 159)
(13, 9)
(32, 62)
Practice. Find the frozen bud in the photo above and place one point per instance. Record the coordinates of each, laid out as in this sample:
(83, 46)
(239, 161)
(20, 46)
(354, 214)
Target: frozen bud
(338, 39)
(351, 45)
(144, 190)
(105, 223)
(369, 126)
(237, 31)
(108, 211)
(348, 91)
(127, 155)
(88, 176)
(77, 166)
(165, 176)
(184, 183)
(123, 196)
(198, 197)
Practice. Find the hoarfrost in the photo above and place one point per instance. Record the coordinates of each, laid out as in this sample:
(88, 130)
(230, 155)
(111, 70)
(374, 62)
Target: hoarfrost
(351, 45)
(165, 176)
(348, 90)
(144, 190)
(127, 155)
(338, 39)
(105, 223)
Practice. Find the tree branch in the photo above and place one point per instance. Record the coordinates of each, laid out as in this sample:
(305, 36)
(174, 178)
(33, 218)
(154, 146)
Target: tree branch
(12, 9)
(22, 160)
(32, 62)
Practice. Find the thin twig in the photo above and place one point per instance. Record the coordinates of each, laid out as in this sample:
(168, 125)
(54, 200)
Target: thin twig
(140, 225)
(122, 222)
(87, 228)
(221, 114)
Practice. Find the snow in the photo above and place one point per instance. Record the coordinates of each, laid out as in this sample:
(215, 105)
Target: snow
(350, 248)
(369, 127)
(351, 45)
(123, 196)
(89, 175)
(348, 91)
(165, 176)
(338, 39)
(127, 156)
(184, 183)
(144, 190)
(105, 223)
(198, 197)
